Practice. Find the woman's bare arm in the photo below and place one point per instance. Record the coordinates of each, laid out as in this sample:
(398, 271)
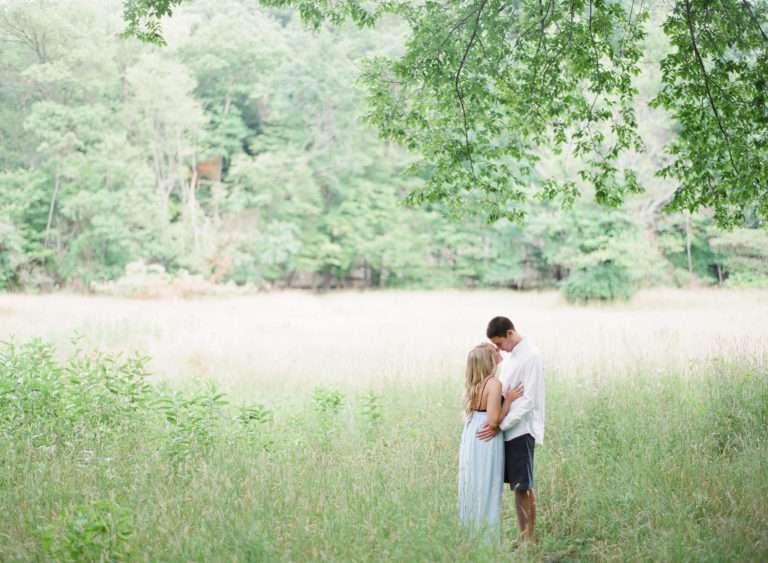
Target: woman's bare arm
(491, 428)
(493, 402)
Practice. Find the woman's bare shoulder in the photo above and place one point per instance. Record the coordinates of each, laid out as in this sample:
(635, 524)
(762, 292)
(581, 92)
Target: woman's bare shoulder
(494, 384)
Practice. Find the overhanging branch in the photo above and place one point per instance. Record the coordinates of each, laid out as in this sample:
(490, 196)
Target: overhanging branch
(705, 76)
(457, 85)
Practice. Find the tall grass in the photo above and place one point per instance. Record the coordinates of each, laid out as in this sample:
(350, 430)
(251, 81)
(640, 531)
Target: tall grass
(97, 464)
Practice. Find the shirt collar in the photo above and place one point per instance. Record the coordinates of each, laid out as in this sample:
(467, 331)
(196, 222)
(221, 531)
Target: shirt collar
(520, 348)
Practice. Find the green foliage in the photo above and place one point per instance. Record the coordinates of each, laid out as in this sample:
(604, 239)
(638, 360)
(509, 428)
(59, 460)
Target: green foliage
(714, 85)
(603, 256)
(255, 420)
(239, 152)
(371, 411)
(23, 199)
(104, 396)
(93, 392)
(327, 402)
(605, 281)
(143, 18)
(481, 86)
(477, 106)
(11, 254)
(97, 531)
(254, 415)
(673, 243)
(192, 422)
(744, 256)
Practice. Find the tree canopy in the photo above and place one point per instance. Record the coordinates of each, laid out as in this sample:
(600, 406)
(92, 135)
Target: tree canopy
(237, 153)
(484, 84)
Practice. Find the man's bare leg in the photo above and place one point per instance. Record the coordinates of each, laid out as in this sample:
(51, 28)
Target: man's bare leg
(525, 506)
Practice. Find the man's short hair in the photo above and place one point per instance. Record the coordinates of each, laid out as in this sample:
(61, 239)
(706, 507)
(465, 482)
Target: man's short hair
(499, 326)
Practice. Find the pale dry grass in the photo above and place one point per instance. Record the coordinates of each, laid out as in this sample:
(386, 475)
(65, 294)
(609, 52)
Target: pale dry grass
(287, 342)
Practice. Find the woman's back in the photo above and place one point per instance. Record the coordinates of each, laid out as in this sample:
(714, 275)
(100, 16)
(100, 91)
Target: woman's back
(485, 392)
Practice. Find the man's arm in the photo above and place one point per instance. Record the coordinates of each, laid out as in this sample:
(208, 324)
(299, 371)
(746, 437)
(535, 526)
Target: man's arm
(490, 429)
(533, 373)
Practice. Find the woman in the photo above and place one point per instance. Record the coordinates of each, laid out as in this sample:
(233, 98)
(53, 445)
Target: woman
(481, 463)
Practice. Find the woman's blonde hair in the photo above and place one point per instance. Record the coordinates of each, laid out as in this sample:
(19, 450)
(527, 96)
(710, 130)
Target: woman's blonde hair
(481, 362)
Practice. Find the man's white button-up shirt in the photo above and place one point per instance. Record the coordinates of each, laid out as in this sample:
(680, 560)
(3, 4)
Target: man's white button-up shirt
(526, 415)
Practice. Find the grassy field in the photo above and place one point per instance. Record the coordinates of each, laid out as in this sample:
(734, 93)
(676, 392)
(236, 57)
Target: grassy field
(302, 427)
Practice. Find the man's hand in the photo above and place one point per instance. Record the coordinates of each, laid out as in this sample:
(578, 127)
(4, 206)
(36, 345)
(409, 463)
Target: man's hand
(515, 393)
(487, 432)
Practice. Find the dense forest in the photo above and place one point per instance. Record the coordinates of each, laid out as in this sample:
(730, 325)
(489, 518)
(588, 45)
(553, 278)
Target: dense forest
(240, 152)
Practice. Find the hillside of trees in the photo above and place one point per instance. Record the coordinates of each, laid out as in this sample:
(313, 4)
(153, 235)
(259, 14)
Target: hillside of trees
(240, 152)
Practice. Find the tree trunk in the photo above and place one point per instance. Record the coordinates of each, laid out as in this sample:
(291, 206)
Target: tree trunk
(56, 184)
(688, 241)
(192, 203)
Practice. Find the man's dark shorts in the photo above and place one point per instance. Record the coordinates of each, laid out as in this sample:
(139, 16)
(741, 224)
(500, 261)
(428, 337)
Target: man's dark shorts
(518, 462)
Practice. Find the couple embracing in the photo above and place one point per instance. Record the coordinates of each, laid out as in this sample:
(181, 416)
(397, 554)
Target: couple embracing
(503, 421)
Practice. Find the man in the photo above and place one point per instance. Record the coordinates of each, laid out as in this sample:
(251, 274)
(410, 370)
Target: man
(523, 426)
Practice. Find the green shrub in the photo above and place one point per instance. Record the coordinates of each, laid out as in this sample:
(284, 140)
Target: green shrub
(327, 404)
(98, 531)
(371, 412)
(192, 423)
(603, 282)
(11, 254)
(744, 257)
(254, 421)
(747, 279)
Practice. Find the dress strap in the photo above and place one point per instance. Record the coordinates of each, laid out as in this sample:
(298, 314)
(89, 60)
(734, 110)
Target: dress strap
(485, 382)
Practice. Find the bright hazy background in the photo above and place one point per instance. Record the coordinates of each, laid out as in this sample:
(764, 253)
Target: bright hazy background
(283, 342)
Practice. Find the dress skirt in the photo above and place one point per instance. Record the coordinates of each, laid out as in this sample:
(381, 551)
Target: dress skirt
(481, 478)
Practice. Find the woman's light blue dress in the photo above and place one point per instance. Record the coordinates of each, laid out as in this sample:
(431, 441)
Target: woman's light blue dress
(481, 478)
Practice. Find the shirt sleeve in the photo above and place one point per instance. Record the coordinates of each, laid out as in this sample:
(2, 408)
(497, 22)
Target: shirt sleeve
(531, 380)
